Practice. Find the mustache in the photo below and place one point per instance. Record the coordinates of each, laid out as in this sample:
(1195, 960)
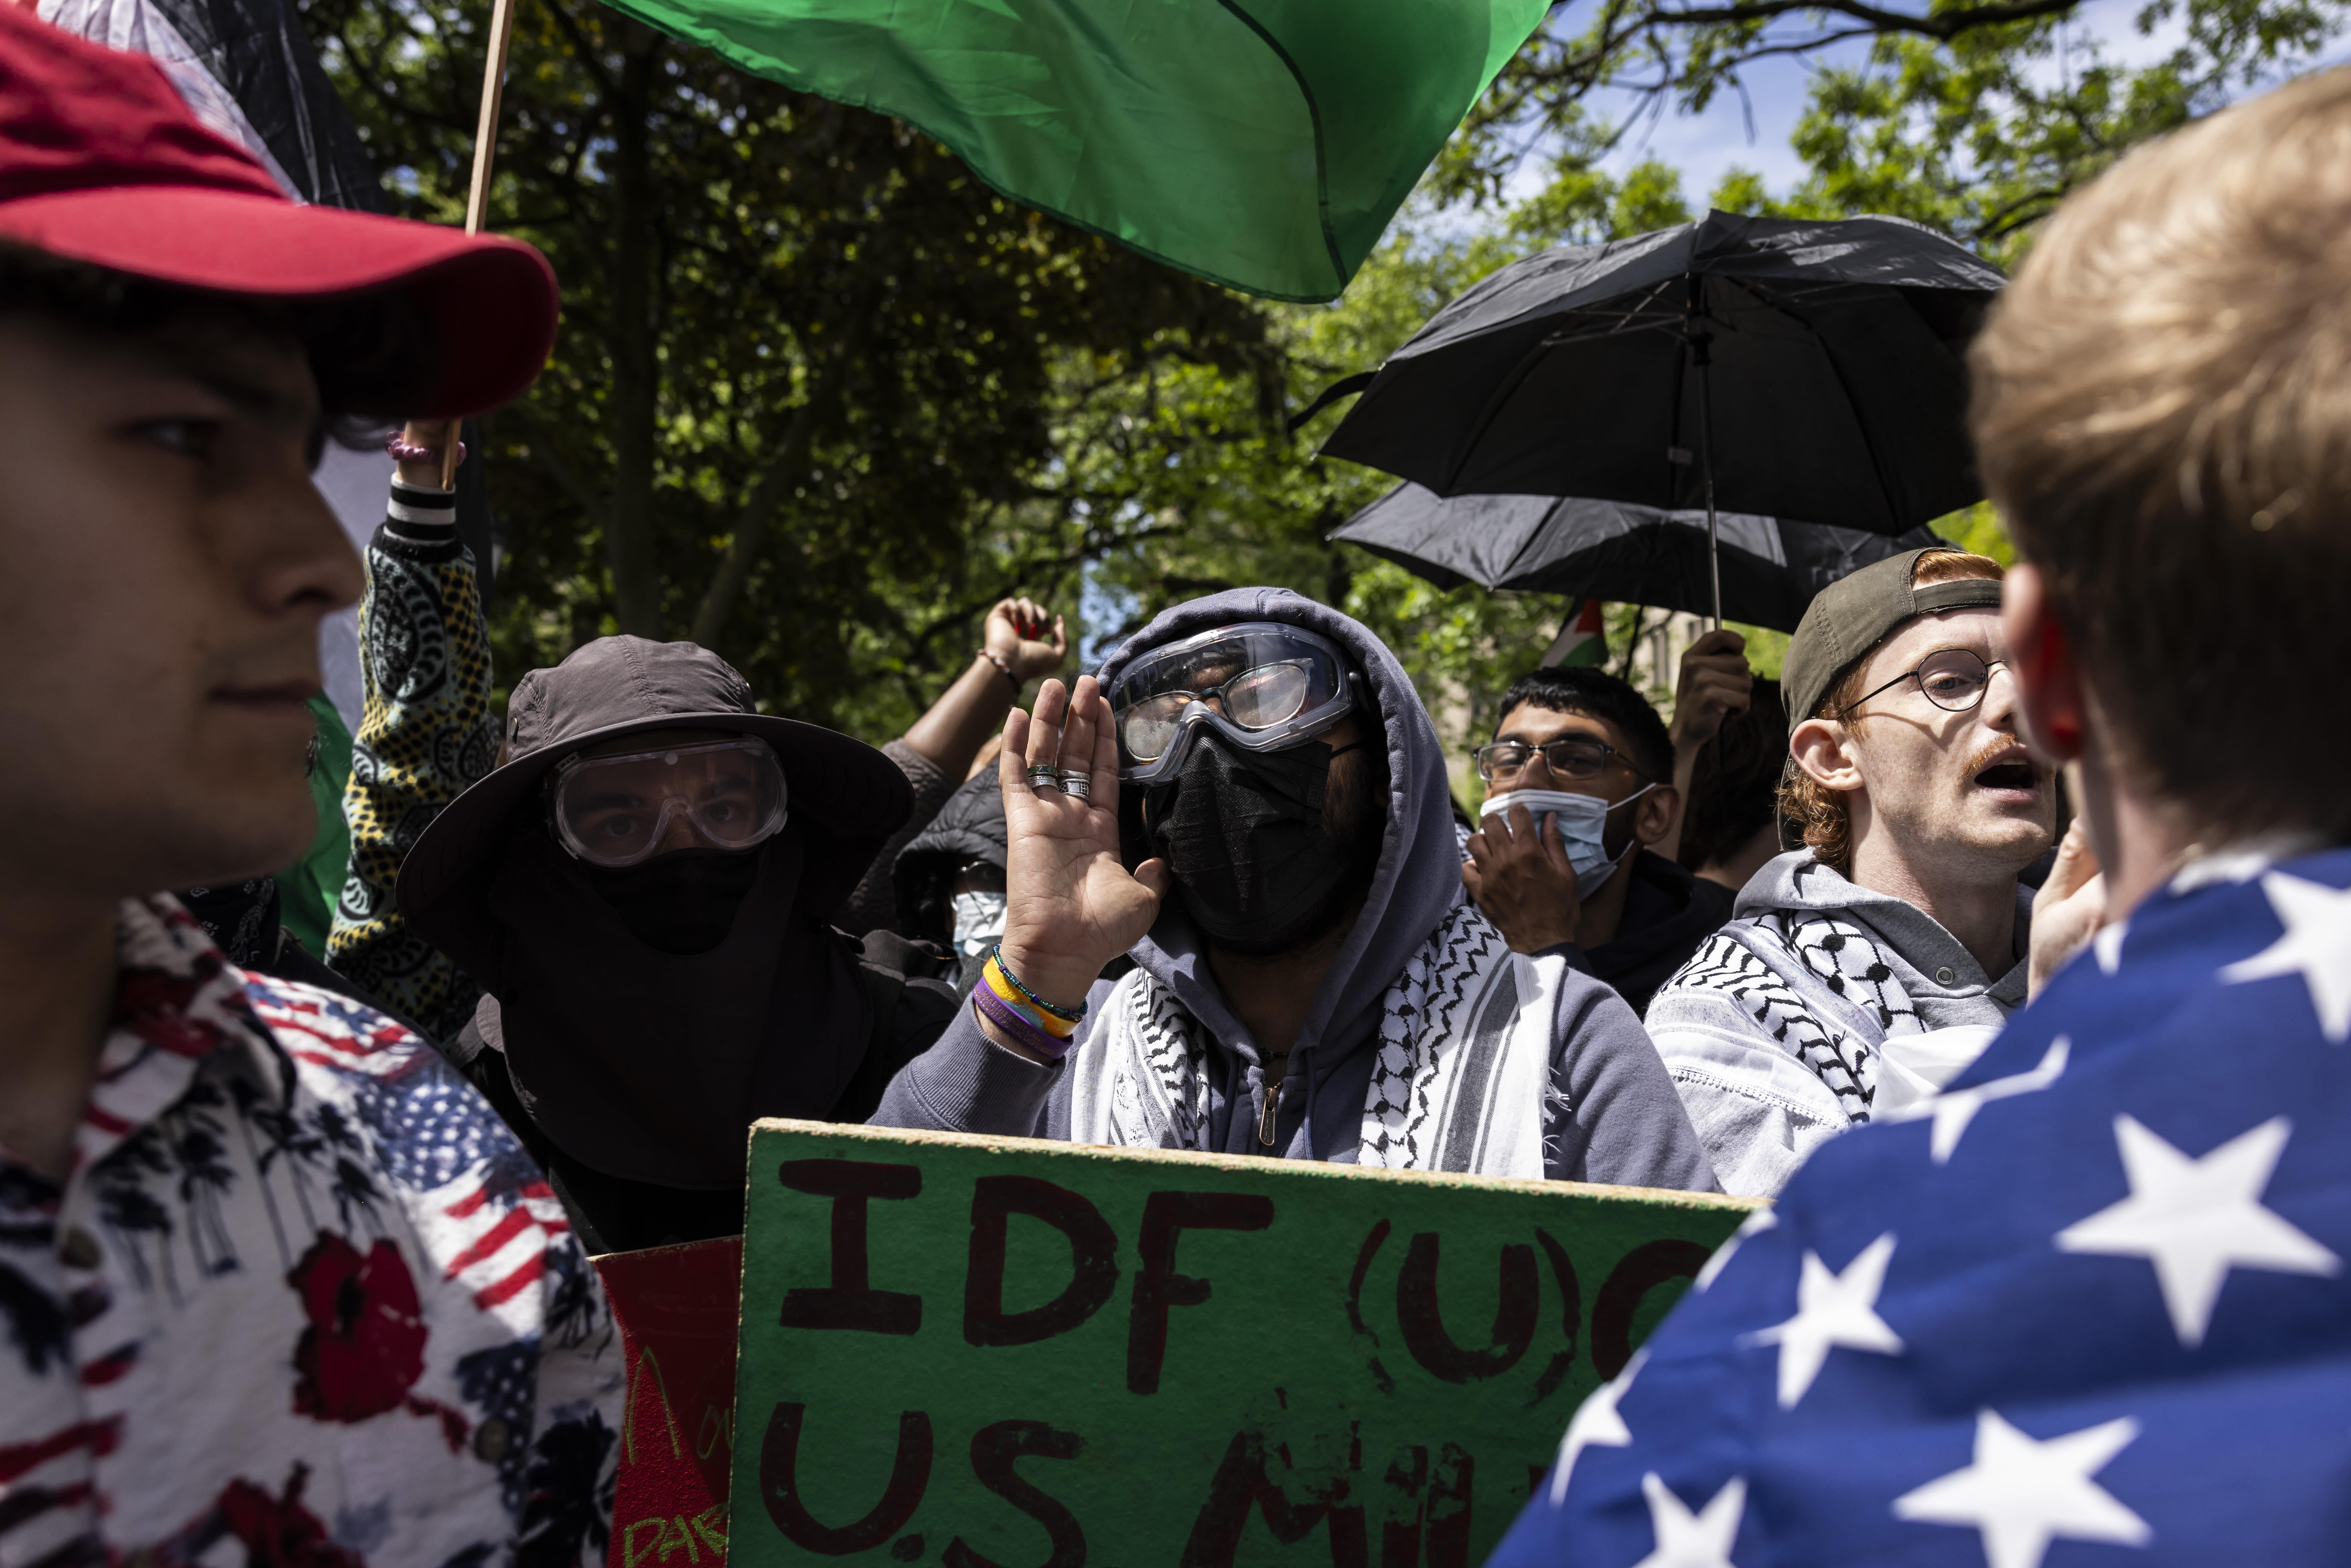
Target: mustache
(1993, 749)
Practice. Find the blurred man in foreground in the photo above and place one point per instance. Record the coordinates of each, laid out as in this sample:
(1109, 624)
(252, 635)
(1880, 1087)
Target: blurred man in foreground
(268, 1269)
(2092, 1305)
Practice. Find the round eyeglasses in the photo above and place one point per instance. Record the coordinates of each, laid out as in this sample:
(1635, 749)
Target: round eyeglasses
(1953, 679)
(1576, 759)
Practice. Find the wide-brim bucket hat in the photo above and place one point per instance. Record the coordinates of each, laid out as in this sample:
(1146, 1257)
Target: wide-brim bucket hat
(853, 795)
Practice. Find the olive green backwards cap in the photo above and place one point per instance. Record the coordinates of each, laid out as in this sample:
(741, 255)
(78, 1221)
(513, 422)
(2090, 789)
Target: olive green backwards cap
(1854, 614)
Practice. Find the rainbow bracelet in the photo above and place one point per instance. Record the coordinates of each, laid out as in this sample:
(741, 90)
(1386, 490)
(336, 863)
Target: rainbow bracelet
(1019, 1024)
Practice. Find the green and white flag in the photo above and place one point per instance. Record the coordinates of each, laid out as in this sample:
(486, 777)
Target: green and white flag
(1263, 145)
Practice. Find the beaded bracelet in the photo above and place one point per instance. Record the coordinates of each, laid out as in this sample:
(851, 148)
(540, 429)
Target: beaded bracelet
(399, 449)
(996, 963)
(1004, 667)
(1019, 1026)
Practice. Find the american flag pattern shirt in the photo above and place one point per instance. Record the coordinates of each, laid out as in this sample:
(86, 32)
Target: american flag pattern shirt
(302, 1300)
(2090, 1306)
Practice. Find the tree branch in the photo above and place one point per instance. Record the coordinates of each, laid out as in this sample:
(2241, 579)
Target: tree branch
(1945, 25)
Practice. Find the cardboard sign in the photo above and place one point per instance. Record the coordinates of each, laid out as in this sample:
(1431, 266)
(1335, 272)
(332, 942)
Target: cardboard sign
(676, 1309)
(999, 1353)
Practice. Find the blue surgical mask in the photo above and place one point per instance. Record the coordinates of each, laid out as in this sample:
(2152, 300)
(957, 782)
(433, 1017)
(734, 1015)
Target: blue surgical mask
(978, 921)
(1582, 824)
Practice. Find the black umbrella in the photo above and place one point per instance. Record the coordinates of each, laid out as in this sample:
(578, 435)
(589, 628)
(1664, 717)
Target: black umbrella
(1769, 569)
(1764, 366)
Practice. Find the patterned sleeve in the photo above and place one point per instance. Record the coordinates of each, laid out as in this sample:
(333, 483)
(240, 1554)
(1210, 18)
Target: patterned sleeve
(426, 734)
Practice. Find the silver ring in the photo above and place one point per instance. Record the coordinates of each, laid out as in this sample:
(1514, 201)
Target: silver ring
(1043, 779)
(1077, 786)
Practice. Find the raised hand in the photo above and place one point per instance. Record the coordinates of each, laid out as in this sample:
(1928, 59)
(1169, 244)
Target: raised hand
(1715, 683)
(1015, 633)
(1070, 906)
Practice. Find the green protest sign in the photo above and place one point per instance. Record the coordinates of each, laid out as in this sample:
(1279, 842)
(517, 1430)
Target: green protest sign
(1001, 1352)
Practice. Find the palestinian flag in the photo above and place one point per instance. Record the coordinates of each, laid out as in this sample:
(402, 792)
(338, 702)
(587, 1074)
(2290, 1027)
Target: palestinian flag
(1260, 144)
(1581, 639)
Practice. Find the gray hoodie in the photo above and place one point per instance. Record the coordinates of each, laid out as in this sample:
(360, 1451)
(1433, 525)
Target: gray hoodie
(1613, 1115)
(1777, 1041)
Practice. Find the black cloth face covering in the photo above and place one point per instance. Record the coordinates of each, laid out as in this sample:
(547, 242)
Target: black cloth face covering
(1243, 834)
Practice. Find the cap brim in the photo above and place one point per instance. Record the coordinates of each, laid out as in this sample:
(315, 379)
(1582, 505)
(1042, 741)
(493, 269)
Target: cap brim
(834, 781)
(491, 301)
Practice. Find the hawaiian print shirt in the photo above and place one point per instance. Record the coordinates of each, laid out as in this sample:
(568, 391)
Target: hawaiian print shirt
(303, 1301)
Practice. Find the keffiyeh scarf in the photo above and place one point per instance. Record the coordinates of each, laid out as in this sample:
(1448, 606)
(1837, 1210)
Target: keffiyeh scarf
(1832, 1008)
(1460, 1084)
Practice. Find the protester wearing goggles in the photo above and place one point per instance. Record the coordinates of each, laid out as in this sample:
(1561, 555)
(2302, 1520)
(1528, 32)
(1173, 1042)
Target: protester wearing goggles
(1579, 794)
(643, 888)
(1252, 803)
(1867, 969)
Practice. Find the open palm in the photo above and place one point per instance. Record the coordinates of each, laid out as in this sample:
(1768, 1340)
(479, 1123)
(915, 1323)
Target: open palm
(1070, 906)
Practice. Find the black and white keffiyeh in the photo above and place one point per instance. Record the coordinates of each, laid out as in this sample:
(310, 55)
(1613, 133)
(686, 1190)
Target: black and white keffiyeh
(1464, 1061)
(1839, 1030)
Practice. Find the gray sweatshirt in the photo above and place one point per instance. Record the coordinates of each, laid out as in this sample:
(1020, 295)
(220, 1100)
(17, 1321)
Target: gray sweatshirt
(1775, 1051)
(1612, 1116)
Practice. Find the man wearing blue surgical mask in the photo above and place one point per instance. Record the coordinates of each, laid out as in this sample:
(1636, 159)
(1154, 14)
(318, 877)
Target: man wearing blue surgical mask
(1581, 798)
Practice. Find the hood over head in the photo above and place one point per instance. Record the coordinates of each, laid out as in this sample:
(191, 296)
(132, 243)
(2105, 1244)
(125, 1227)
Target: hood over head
(1419, 873)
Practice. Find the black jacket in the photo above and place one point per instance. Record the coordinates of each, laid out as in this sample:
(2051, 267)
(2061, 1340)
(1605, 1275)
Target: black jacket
(969, 827)
(613, 1213)
(1667, 913)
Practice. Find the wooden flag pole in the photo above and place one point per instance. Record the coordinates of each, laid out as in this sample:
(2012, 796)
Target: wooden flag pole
(485, 147)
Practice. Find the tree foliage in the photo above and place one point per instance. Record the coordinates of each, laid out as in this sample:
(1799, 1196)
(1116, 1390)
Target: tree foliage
(802, 405)
(819, 397)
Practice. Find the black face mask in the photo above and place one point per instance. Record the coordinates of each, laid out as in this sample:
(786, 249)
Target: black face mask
(682, 902)
(1243, 832)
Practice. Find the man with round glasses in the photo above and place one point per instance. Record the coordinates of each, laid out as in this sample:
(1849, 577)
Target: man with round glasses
(1251, 801)
(1579, 790)
(1866, 970)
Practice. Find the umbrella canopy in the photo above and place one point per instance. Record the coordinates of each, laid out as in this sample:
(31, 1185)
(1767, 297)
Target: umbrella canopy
(1607, 549)
(1815, 369)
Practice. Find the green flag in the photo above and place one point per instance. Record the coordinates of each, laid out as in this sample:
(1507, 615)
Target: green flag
(1260, 143)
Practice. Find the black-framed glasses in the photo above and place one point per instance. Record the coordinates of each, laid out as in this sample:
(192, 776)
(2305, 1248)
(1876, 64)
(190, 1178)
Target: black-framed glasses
(1953, 679)
(1576, 758)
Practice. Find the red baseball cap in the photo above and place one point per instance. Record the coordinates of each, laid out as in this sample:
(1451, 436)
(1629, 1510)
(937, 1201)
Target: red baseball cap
(101, 161)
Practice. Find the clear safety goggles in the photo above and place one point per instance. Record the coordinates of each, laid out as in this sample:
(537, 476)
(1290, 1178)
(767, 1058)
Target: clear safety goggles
(1261, 684)
(618, 811)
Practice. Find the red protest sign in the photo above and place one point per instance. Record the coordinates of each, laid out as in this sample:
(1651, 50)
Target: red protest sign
(677, 1307)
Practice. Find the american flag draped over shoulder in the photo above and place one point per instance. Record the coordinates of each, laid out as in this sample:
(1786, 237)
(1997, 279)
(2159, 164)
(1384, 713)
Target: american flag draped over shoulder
(2091, 1306)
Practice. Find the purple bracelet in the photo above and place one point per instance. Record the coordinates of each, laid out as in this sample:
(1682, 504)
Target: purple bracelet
(401, 450)
(996, 1011)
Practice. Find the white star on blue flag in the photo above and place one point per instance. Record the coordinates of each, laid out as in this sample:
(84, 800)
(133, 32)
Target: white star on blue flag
(2095, 1311)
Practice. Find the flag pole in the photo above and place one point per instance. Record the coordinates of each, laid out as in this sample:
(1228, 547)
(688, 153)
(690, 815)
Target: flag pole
(485, 146)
